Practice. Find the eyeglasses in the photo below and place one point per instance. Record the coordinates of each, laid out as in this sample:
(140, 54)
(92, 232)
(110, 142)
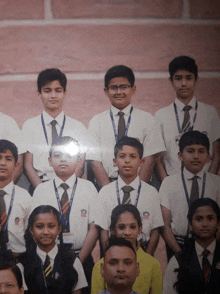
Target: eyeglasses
(114, 88)
(8, 286)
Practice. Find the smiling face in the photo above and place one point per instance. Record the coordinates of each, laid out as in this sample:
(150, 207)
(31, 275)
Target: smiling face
(7, 165)
(120, 98)
(204, 224)
(52, 95)
(120, 268)
(127, 227)
(184, 83)
(194, 157)
(45, 230)
(8, 283)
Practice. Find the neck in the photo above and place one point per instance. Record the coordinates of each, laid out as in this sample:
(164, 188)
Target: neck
(48, 248)
(128, 180)
(185, 101)
(64, 178)
(120, 291)
(54, 112)
(205, 243)
(4, 183)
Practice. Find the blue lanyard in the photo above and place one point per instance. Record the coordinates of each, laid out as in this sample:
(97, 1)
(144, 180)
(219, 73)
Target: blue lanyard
(45, 131)
(65, 220)
(177, 118)
(10, 208)
(185, 189)
(118, 195)
(113, 124)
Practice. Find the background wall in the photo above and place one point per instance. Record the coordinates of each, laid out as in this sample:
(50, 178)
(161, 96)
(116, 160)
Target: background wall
(86, 37)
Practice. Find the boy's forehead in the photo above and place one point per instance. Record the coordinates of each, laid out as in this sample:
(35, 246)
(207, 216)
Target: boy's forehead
(183, 72)
(119, 252)
(6, 152)
(195, 146)
(70, 149)
(128, 149)
(118, 81)
(48, 84)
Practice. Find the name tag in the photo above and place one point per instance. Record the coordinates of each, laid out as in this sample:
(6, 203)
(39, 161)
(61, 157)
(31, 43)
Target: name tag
(68, 238)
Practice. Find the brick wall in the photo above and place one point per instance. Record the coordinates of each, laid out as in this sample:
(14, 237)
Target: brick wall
(85, 37)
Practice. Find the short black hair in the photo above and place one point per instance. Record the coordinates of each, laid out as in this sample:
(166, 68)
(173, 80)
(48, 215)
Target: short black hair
(118, 241)
(119, 71)
(193, 137)
(15, 270)
(203, 202)
(129, 142)
(185, 63)
(8, 145)
(49, 75)
(62, 141)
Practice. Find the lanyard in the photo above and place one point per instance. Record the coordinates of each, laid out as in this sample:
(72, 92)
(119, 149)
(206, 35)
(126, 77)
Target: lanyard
(113, 124)
(45, 131)
(65, 220)
(118, 195)
(177, 118)
(185, 189)
(10, 208)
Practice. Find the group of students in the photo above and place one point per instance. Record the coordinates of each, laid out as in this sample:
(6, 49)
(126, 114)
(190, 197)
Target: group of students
(51, 235)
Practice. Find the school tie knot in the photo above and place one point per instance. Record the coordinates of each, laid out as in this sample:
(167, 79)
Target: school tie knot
(187, 108)
(2, 193)
(194, 195)
(64, 186)
(205, 253)
(206, 266)
(121, 125)
(53, 123)
(127, 197)
(121, 113)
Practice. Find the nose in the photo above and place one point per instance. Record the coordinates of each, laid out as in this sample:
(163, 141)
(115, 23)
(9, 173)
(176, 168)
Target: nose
(118, 90)
(120, 267)
(183, 82)
(205, 222)
(127, 231)
(53, 94)
(127, 159)
(2, 161)
(45, 230)
(196, 154)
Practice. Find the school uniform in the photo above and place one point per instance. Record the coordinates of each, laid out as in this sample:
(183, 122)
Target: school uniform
(107, 292)
(147, 203)
(141, 125)
(39, 139)
(173, 197)
(35, 279)
(10, 131)
(18, 218)
(194, 277)
(206, 121)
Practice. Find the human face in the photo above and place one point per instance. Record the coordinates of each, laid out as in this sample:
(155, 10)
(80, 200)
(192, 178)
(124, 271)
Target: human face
(63, 162)
(127, 227)
(204, 223)
(120, 99)
(120, 268)
(184, 85)
(52, 96)
(128, 161)
(7, 165)
(194, 157)
(45, 230)
(8, 283)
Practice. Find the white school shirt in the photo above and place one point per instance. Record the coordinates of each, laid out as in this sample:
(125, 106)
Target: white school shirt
(172, 196)
(207, 121)
(148, 204)
(10, 131)
(142, 127)
(170, 277)
(37, 144)
(18, 218)
(85, 207)
(52, 254)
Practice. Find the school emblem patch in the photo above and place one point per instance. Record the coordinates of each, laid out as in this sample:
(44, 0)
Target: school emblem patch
(218, 265)
(83, 213)
(146, 215)
(17, 220)
(56, 276)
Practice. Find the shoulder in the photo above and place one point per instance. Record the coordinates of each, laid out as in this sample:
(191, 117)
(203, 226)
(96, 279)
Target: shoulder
(163, 111)
(22, 195)
(142, 113)
(86, 185)
(32, 122)
(148, 188)
(74, 122)
(100, 115)
(108, 188)
(143, 257)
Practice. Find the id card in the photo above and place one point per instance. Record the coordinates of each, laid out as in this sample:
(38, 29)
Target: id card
(68, 238)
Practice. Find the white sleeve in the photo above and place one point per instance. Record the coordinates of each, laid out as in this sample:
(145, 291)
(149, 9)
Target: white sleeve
(20, 266)
(164, 193)
(81, 275)
(170, 277)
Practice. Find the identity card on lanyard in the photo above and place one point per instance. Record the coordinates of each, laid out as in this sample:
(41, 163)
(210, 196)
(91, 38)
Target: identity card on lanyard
(45, 131)
(185, 189)
(114, 127)
(118, 195)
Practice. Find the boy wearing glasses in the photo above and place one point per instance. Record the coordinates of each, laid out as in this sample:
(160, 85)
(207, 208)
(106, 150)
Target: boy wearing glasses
(122, 119)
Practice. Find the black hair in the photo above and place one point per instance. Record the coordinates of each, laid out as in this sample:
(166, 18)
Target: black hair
(203, 202)
(121, 208)
(43, 209)
(62, 141)
(49, 75)
(185, 63)
(8, 145)
(118, 241)
(15, 270)
(119, 71)
(193, 137)
(129, 142)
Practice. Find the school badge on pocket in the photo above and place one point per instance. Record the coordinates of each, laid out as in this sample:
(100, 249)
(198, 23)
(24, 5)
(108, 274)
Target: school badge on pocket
(146, 215)
(17, 220)
(83, 213)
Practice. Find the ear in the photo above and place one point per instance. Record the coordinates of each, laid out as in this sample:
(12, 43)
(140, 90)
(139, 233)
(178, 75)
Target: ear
(208, 157)
(59, 229)
(133, 90)
(137, 269)
(50, 160)
(16, 166)
(115, 162)
(102, 271)
(113, 232)
(180, 156)
(106, 91)
(190, 227)
(31, 231)
(22, 290)
(139, 230)
(141, 162)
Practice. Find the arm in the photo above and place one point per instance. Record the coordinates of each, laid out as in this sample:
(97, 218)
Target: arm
(19, 171)
(104, 238)
(30, 171)
(153, 242)
(215, 163)
(147, 168)
(79, 171)
(167, 232)
(100, 173)
(160, 168)
(89, 243)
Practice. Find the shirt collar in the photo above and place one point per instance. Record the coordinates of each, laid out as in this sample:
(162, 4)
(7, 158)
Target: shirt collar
(52, 253)
(134, 184)
(180, 104)
(48, 118)
(200, 249)
(70, 182)
(126, 110)
(188, 175)
(8, 189)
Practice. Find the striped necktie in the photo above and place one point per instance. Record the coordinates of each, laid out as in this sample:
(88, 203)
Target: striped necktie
(121, 125)
(186, 119)
(65, 204)
(47, 269)
(3, 214)
(194, 195)
(206, 266)
(127, 197)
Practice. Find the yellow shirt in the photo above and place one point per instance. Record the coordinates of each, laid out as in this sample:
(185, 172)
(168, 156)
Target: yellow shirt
(150, 275)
